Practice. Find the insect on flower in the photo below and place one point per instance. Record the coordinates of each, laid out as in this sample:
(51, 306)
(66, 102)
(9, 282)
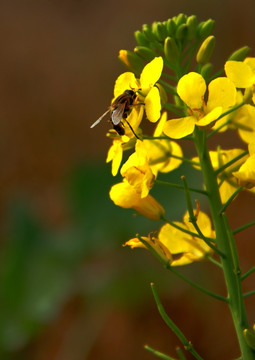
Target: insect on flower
(119, 110)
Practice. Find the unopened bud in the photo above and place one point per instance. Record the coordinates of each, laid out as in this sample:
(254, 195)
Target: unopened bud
(192, 27)
(240, 54)
(206, 70)
(205, 28)
(171, 50)
(206, 50)
(147, 30)
(181, 32)
(131, 60)
(141, 38)
(159, 30)
(171, 27)
(180, 19)
(249, 336)
(145, 53)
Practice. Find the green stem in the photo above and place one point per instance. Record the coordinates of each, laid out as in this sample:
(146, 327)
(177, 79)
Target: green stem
(225, 242)
(249, 293)
(248, 273)
(158, 353)
(178, 186)
(197, 286)
(241, 228)
(187, 344)
(231, 198)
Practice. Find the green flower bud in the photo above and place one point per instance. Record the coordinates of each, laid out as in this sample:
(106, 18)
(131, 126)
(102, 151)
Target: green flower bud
(206, 50)
(205, 28)
(132, 61)
(148, 32)
(159, 30)
(181, 32)
(206, 70)
(171, 50)
(240, 54)
(145, 53)
(180, 19)
(141, 39)
(192, 27)
(171, 27)
(249, 336)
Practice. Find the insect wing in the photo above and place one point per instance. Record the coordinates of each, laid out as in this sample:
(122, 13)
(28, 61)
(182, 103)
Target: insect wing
(117, 114)
(99, 119)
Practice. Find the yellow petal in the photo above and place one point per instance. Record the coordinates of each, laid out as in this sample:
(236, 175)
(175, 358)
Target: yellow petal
(153, 105)
(240, 73)
(125, 81)
(151, 73)
(246, 173)
(191, 89)
(209, 118)
(160, 125)
(115, 154)
(179, 128)
(222, 92)
(250, 61)
(246, 118)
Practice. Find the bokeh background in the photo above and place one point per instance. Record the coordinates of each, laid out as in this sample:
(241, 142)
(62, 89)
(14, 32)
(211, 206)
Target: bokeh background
(69, 290)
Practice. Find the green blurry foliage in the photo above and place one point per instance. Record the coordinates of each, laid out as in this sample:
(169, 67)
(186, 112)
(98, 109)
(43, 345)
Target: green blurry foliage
(41, 268)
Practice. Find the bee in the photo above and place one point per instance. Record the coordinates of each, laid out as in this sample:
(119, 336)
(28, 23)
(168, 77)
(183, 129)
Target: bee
(120, 109)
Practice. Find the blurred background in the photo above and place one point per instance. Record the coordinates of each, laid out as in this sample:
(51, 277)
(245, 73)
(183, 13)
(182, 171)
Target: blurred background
(69, 290)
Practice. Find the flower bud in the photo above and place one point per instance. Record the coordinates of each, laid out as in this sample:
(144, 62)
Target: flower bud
(180, 19)
(148, 32)
(159, 30)
(171, 50)
(249, 336)
(205, 28)
(192, 27)
(206, 50)
(171, 27)
(240, 54)
(206, 70)
(145, 53)
(181, 32)
(141, 39)
(131, 60)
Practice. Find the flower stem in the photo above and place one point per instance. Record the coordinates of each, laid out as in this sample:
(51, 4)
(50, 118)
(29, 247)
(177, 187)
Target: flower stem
(187, 344)
(226, 244)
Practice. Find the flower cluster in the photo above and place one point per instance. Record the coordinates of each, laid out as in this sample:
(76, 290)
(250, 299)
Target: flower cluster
(201, 102)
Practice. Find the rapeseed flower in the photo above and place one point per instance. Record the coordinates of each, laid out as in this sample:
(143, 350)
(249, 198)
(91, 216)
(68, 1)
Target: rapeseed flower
(177, 247)
(192, 88)
(125, 196)
(246, 173)
(242, 74)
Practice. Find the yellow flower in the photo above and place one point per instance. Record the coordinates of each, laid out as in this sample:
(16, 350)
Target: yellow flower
(148, 93)
(137, 171)
(125, 196)
(242, 74)
(191, 88)
(185, 248)
(176, 247)
(226, 180)
(152, 242)
(245, 122)
(246, 173)
(114, 155)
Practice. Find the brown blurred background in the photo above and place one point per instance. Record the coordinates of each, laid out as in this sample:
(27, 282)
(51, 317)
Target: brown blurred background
(69, 290)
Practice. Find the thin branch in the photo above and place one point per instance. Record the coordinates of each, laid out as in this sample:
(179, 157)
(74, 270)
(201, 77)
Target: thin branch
(181, 187)
(158, 353)
(241, 228)
(231, 198)
(223, 167)
(249, 272)
(187, 344)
